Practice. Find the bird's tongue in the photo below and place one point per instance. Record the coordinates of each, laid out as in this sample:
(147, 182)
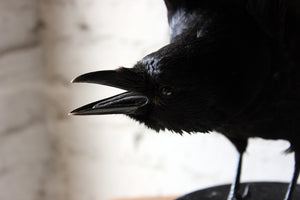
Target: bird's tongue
(125, 103)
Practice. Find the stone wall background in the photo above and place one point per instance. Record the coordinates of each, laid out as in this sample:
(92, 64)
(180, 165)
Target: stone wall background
(46, 154)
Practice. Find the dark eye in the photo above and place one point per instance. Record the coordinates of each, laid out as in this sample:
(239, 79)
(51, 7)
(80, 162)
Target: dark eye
(166, 91)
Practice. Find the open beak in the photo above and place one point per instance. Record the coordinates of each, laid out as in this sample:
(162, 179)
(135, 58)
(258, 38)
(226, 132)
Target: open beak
(125, 103)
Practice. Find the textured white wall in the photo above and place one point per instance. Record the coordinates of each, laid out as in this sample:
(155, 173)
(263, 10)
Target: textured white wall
(24, 143)
(45, 154)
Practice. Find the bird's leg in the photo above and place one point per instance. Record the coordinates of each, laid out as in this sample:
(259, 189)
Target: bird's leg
(235, 187)
(293, 184)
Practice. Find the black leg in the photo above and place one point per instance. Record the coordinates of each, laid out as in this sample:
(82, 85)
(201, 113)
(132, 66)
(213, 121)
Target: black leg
(293, 184)
(235, 187)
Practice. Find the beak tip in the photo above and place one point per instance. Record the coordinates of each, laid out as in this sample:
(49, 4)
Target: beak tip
(74, 80)
(72, 113)
(81, 78)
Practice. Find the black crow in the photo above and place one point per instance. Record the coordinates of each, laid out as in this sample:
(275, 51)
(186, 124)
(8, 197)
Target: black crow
(232, 66)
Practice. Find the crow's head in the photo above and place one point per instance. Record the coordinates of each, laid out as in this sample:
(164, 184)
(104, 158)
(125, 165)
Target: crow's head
(167, 89)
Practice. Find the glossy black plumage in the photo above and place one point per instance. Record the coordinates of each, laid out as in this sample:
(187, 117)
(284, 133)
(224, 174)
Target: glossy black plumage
(231, 66)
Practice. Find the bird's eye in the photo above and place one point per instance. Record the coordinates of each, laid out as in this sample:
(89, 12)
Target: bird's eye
(166, 91)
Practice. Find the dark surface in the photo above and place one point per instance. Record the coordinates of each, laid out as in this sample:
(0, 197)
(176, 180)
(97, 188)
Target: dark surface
(257, 191)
